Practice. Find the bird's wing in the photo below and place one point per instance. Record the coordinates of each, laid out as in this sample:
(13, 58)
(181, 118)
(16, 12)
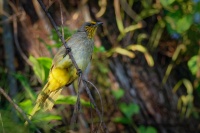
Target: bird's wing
(61, 59)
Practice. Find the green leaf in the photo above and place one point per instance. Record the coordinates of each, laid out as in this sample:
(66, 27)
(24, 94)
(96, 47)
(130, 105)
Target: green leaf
(129, 110)
(184, 23)
(41, 67)
(51, 117)
(149, 129)
(118, 93)
(192, 64)
(38, 69)
(122, 120)
(166, 2)
(26, 105)
(177, 22)
(99, 49)
(71, 100)
(45, 117)
(46, 62)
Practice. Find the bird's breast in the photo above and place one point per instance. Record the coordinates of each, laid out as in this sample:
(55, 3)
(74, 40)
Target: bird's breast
(82, 53)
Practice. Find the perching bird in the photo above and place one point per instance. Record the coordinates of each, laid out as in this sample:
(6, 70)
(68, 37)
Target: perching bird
(63, 72)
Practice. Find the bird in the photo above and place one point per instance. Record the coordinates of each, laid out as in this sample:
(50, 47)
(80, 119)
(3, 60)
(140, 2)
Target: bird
(62, 72)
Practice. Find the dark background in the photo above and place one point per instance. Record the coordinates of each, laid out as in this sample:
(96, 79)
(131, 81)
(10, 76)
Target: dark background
(146, 64)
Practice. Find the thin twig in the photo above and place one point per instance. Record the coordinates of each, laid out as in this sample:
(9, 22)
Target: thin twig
(77, 106)
(99, 96)
(94, 104)
(17, 107)
(15, 30)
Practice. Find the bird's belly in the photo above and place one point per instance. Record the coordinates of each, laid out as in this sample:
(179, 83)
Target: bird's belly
(60, 77)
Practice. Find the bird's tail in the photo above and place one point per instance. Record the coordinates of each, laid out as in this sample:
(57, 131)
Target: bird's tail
(45, 99)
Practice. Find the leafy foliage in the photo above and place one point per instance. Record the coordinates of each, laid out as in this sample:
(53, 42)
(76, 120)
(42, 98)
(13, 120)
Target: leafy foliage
(41, 67)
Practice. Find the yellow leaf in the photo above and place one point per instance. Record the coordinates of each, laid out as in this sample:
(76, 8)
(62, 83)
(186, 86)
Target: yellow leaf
(123, 51)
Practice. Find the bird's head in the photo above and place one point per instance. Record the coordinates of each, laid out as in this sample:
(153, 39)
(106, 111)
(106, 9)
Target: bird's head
(90, 28)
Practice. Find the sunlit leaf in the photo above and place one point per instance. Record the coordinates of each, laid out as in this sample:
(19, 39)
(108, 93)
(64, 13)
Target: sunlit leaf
(26, 105)
(149, 59)
(46, 62)
(71, 100)
(186, 83)
(142, 49)
(118, 16)
(38, 69)
(137, 47)
(132, 27)
(41, 67)
(192, 64)
(184, 23)
(188, 86)
(177, 22)
(46, 117)
(125, 52)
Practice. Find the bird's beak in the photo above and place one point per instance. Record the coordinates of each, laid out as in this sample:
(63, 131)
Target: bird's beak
(99, 23)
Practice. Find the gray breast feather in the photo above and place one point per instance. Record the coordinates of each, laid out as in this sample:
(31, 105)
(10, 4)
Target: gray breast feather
(82, 49)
